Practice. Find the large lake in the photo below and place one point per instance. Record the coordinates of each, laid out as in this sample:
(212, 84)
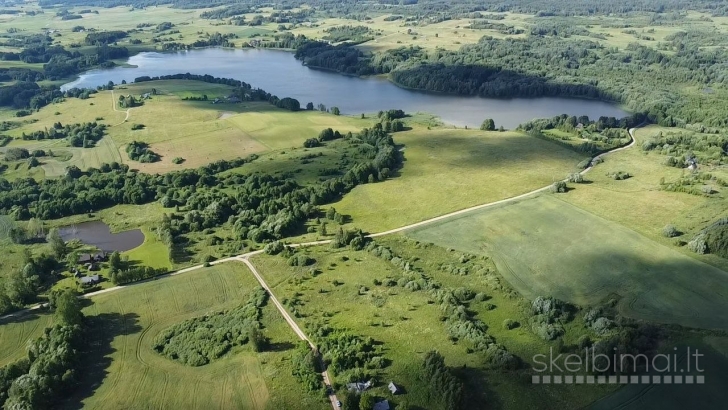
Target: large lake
(277, 72)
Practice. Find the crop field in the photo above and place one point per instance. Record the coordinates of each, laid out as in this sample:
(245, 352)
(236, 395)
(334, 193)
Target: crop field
(447, 170)
(124, 372)
(407, 324)
(714, 366)
(544, 246)
(14, 335)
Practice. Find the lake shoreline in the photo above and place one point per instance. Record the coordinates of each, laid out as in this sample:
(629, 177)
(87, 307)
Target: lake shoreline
(278, 72)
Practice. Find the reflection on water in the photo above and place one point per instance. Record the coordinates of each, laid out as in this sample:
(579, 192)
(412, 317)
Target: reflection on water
(97, 233)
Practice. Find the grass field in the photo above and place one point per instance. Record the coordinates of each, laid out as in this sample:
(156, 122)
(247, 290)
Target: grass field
(5, 224)
(124, 372)
(408, 325)
(199, 132)
(544, 246)
(638, 202)
(446, 170)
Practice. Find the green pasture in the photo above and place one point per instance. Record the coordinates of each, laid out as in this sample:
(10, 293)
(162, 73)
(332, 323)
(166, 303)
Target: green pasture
(545, 246)
(446, 170)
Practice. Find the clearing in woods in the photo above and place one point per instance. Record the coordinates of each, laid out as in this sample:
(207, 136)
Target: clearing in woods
(124, 372)
(545, 246)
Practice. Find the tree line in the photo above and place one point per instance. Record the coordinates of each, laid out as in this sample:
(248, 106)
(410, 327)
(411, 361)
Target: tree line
(50, 370)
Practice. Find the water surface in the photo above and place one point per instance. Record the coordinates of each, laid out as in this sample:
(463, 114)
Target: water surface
(98, 234)
(277, 72)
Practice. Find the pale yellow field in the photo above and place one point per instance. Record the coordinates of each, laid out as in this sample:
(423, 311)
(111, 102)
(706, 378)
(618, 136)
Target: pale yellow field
(199, 132)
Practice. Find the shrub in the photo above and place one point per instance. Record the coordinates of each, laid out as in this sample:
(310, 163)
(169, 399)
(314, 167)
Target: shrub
(547, 331)
(698, 244)
(301, 260)
(311, 143)
(135, 127)
(602, 326)
(178, 160)
(669, 231)
(509, 324)
(274, 248)
(558, 187)
(576, 178)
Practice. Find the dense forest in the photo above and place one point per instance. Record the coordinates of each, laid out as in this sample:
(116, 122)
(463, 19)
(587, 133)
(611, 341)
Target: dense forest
(434, 7)
(644, 79)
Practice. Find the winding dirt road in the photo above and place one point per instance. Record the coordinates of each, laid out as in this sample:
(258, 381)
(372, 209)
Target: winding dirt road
(245, 258)
(113, 106)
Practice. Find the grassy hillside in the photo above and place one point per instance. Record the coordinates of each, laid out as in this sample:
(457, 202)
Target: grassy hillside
(197, 131)
(544, 246)
(447, 170)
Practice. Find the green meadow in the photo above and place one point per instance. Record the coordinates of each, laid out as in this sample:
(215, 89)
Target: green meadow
(122, 370)
(545, 246)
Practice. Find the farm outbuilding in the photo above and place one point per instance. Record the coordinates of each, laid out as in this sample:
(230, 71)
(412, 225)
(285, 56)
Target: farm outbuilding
(90, 280)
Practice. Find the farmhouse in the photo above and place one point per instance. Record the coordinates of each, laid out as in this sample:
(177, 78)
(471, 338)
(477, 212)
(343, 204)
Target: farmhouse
(359, 387)
(382, 405)
(89, 280)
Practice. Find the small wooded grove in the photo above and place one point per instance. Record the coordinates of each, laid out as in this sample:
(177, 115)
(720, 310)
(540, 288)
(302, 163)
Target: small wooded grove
(50, 371)
(200, 340)
(242, 90)
(78, 135)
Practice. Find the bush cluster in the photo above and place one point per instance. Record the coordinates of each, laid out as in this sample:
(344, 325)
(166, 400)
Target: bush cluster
(198, 341)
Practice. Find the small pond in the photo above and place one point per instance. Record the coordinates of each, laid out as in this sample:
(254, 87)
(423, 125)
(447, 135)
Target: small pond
(98, 234)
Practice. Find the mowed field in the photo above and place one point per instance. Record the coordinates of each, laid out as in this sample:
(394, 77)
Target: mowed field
(447, 170)
(122, 370)
(545, 246)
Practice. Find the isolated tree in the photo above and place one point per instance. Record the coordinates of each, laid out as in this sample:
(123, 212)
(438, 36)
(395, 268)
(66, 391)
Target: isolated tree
(257, 340)
(115, 261)
(322, 229)
(68, 307)
(17, 234)
(72, 259)
(309, 106)
(35, 228)
(58, 246)
(335, 110)
(331, 213)
(488, 125)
